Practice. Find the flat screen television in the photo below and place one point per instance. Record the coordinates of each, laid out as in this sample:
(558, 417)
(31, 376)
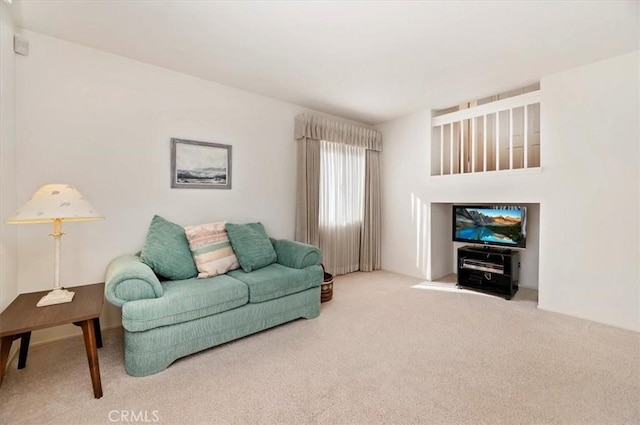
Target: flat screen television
(490, 225)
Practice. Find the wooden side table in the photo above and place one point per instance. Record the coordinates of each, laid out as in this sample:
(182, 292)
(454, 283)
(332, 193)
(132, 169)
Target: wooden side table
(22, 317)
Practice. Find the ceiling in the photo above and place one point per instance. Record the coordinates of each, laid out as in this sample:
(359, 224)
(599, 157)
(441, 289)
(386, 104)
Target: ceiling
(366, 61)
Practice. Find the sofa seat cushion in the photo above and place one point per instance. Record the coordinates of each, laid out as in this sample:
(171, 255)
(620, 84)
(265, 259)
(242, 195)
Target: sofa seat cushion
(185, 300)
(276, 280)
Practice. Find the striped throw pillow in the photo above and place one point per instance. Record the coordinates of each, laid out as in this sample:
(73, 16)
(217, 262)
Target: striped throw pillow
(211, 249)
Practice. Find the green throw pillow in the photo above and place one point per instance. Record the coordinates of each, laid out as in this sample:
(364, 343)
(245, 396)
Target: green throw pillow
(166, 250)
(251, 245)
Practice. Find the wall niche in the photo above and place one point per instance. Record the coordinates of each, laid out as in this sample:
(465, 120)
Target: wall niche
(442, 253)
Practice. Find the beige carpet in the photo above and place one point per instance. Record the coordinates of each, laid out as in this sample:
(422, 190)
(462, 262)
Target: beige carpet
(382, 351)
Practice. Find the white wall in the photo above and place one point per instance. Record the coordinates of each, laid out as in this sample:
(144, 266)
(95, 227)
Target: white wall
(404, 169)
(587, 193)
(411, 197)
(103, 123)
(589, 246)
(8, 241)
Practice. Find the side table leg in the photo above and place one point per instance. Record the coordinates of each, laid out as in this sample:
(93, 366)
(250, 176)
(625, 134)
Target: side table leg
(5, 347)
(96, 328)
(88, 331)
(24, 349)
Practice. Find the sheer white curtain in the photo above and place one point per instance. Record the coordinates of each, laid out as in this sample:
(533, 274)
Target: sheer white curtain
(341, 209)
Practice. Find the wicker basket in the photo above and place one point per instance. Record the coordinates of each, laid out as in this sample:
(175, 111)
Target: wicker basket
(326, 288)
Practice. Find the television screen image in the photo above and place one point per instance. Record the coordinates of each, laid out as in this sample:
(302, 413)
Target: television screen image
(490, 225)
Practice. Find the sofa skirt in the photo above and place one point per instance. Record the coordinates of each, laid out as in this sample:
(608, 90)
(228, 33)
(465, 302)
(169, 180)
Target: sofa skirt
(153, 350)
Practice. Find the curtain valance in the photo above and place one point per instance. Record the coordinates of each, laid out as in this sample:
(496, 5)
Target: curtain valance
(321, 128)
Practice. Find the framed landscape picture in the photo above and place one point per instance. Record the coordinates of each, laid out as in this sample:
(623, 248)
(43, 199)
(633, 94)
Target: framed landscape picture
(200, 165)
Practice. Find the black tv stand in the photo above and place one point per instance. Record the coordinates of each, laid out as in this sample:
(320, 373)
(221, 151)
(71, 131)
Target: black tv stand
(488, 269)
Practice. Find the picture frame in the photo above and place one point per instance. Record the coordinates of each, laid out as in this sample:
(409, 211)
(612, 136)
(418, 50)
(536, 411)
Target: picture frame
(200, 165)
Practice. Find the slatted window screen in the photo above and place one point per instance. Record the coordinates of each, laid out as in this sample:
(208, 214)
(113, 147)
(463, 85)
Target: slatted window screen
(497, 136)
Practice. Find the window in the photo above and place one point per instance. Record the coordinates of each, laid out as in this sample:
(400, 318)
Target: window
(341, 184)
(341, 209)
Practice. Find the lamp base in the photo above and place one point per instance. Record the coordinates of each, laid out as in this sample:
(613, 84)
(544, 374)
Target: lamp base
(57, 296)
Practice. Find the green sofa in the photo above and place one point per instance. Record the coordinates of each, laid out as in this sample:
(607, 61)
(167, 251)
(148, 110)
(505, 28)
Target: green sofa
(166, 320)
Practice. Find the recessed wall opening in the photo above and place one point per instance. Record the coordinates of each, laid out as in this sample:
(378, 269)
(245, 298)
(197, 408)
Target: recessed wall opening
(442, 260)
(496, 133)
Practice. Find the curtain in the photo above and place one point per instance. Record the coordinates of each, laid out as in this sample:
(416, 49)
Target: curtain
(342, 178)
(320, 128)
(370, 249)
(348, 245)
(308, 191)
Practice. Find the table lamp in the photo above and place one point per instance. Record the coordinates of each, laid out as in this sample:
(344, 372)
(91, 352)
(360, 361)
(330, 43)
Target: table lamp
(55, 203)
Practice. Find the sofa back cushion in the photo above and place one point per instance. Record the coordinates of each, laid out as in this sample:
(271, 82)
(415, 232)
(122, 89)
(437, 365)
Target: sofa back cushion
(251, 245)
(211, 249)
(166, 250)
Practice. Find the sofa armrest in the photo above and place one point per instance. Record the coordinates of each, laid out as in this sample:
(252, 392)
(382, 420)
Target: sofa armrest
(296, 255)
(129, 279)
